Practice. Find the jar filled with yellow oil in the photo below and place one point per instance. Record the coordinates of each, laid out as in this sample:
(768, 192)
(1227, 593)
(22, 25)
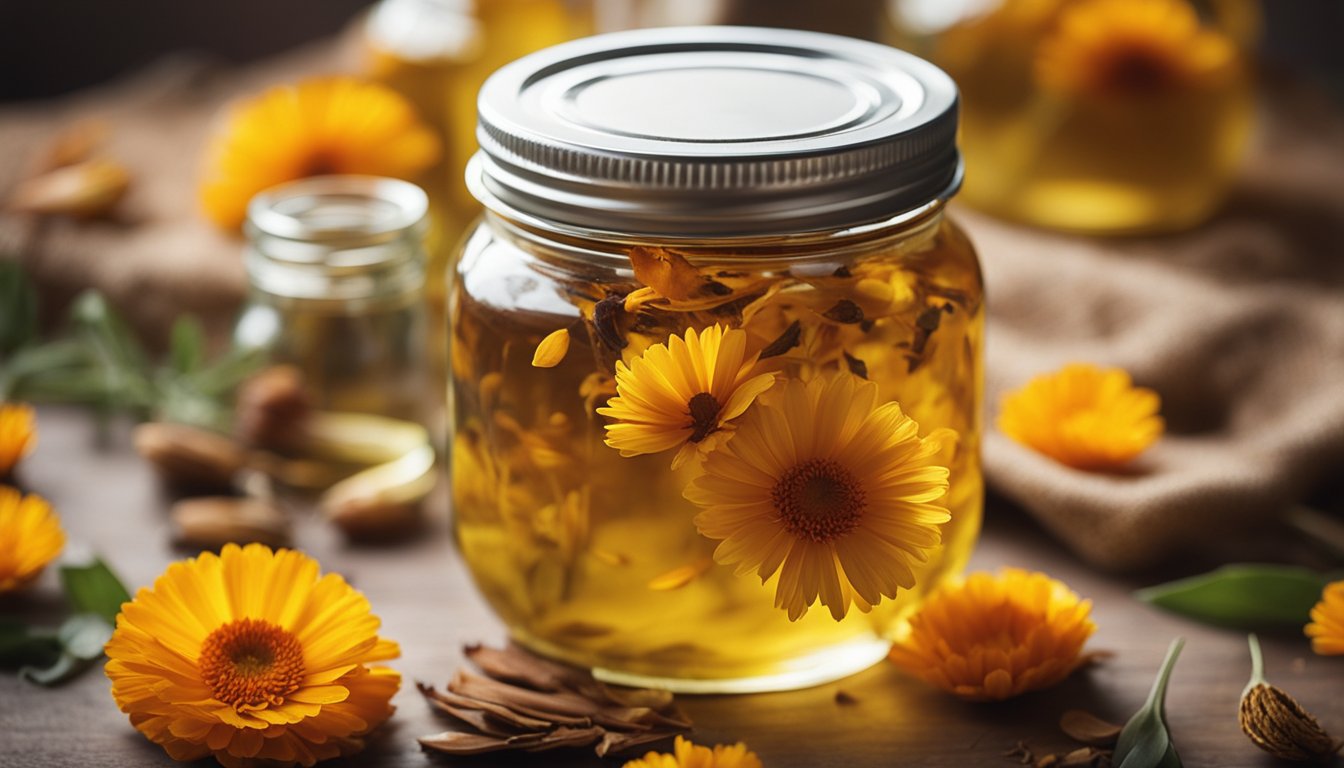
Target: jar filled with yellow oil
(1103, 116)
(716, 355)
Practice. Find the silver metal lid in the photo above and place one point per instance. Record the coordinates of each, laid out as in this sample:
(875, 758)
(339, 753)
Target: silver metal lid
(723, 131)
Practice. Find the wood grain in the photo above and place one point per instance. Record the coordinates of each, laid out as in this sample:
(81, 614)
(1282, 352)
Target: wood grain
(110, 503)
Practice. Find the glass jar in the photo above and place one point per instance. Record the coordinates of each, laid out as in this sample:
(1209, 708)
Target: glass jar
(337, 272)
(1104, 116)
(696, 238)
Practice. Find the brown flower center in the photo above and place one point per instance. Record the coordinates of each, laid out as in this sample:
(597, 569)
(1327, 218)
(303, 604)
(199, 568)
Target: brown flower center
(819, 500)
(704, 416)
(250, 662)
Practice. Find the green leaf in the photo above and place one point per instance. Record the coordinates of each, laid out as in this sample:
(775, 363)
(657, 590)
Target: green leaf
(18, 308)
(64, 668)
(187, 348)
(94, 588)
(84, 635)
(21, 645)
(1145, 741)
(1242, 596)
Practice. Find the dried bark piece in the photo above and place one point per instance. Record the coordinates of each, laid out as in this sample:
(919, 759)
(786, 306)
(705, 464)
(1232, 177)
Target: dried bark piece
(502, 713)
(1087, 728)
(461, 743)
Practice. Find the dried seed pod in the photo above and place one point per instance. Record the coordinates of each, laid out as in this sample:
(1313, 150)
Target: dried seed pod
(1089, 729)
(83, 190)
(272, 409)
(189, 458)
(1277, 723)
(211, 522)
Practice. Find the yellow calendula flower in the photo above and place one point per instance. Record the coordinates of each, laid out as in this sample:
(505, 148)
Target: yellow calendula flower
(251, 656)
(832, 490)
(30, 537)
(683, 394)
(687, 755)
(1126, 48)
(1326, 629)
(1083, 416)
(320, 126)
(995, 637)
(18, 435)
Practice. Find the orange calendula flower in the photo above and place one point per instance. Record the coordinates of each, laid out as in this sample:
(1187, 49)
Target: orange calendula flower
(30, 537)
(18, 435)
(687, 755)
(320, 126)
(995, 637)
(1129, 48)
(1326, 629)
(251, 656)
(828, 488)
(683, 394)
(1083, 416)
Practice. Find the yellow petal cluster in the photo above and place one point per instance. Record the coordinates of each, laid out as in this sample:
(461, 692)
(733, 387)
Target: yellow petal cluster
(30, 537)
(833, 491)
(995, 637)
(329, 125)
(1083, 416)
(1131, 48)
(688, 755)
(251, 656)
(18, 435)
(683, 394)
(1326, 629)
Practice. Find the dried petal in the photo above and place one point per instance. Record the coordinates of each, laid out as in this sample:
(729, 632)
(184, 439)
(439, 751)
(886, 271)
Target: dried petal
(1089, 729)
(667, 273)
(552, 349)
(856, 366)
(680, 577)
(84, 190)
(786, 341)
(210, 522)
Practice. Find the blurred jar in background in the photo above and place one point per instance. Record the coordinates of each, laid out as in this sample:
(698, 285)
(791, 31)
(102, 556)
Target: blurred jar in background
(1104, 116)
(336, 266)
(438, 53)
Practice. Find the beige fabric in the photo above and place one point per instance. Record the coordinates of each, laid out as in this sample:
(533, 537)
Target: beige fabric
(1239, 326)
(158, 257)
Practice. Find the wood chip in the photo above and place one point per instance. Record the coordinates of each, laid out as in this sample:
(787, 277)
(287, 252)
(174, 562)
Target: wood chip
(526, 703)
(1087, 728)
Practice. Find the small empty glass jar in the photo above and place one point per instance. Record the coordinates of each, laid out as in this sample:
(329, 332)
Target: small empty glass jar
(337, 272)
(716, 355)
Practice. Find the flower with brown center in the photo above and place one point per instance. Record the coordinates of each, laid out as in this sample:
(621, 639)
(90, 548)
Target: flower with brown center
(995, 637)
(1131, 48)
(250, 657)
(683, 394)
(828, 488)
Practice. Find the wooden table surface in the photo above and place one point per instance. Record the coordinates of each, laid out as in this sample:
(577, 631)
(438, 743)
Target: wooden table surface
(110, 503)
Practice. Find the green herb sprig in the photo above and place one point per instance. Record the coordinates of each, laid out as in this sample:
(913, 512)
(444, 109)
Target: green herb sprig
(1145, 741)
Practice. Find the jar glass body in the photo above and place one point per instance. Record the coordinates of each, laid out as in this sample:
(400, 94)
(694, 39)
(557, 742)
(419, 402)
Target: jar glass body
(1100, 116)
(593, 557)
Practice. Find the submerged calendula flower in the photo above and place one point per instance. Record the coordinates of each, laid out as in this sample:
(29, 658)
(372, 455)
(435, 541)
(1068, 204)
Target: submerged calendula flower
(830, 489)
(321, 126)
(251, 656)
(1083, 416)
(995, 637)
(18, 435)
(683, 394)
(30, 537)
(1326, 629)
(1131, 48)
(688, 755)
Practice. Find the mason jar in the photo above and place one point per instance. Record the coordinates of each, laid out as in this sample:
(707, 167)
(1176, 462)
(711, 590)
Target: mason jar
(716, 355)
(337, 272)
(1095, 116)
